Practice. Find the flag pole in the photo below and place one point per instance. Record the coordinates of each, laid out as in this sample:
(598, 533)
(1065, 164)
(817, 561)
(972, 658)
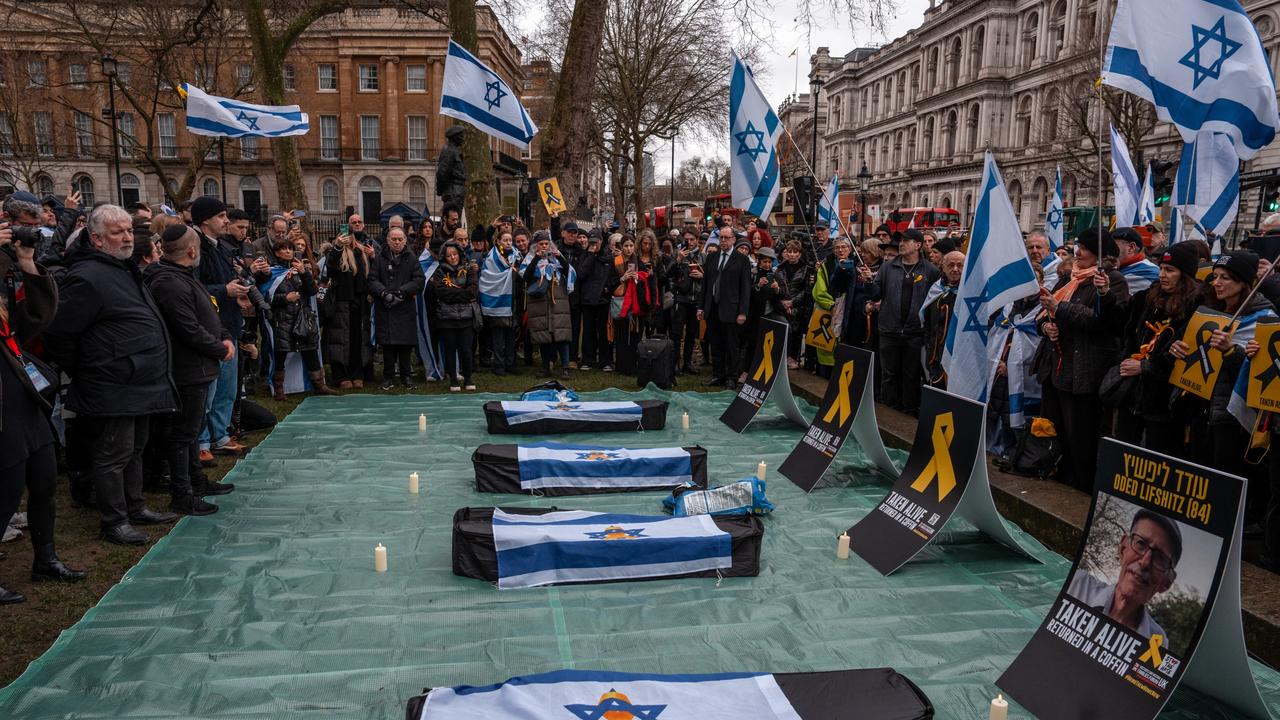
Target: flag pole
(825, 188)
(1102, 59)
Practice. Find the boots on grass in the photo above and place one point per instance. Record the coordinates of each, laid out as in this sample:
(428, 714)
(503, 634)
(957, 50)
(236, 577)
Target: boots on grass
(47, 566)
(192, 505)
(277, 386)
(318, 385)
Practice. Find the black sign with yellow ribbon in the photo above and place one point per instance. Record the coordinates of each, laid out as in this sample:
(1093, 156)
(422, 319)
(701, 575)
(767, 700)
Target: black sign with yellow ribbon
(834, 420)
(1198, 371)
(943, 455)
(1140, 597)
(1264, 368)
(770, 356)
(820, 334)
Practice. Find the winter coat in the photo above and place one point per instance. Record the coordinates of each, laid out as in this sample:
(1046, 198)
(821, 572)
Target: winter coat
(888, 286)
(856, 296)
(1154, 395)
(27, 319)
(456, 290)
(686, 288)
(937, 318)
(346, 303)
(216, 269)
(549, 317)
(1086, 348)
(285, 313)
(400, 275)
(1232, 361)
(596, 279)
(109, 336)
(194, 326)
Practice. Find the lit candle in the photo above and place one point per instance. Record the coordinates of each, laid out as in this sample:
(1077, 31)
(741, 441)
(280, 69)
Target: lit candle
(760, 470)
(422, 422)
(413, 483)
(999, 708)
(380, 558)
(684, 421)
(842, 546)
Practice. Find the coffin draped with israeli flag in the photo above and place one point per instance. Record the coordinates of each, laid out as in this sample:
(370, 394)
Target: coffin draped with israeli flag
(541, 417)
(555, 469)
(879, 694)
(535, 547)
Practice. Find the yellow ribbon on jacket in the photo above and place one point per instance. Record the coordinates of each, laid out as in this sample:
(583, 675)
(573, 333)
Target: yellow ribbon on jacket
(765, 370)
(842, 404)
(940, 465)
(1153, 651)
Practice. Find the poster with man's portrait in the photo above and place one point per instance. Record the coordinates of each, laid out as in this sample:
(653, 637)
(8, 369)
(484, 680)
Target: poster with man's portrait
(1135, 604)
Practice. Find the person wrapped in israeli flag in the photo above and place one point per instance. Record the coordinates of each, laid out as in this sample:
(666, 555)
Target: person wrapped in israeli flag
(754, 131)
(827, 206)
(557, 465)
(1127, 188)
(996, 273)
(580, 546)
(295, 372)
(427, 351)
(496, 282)
(550, 268)
(1054, 219)
(476, 94)
(215, 116)
(1202, 65)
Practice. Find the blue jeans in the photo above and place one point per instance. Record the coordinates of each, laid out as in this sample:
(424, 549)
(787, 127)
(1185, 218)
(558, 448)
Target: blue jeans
(222, 397)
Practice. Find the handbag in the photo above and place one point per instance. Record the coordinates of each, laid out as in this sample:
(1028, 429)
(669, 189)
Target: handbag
(477, 317)
(304, 330)
(615, 307)
(1115, 390)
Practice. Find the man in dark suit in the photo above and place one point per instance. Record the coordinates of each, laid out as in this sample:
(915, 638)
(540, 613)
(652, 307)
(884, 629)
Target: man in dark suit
(726, 295)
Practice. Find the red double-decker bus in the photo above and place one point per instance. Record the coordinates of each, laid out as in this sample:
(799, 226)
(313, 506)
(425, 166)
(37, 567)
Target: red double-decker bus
(922, 218)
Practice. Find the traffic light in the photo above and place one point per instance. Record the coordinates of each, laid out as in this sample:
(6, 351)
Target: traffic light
(1272, 203)
(803, 189)
(1162, 172)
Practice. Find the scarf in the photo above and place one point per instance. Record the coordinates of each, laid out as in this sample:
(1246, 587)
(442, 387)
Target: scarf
(9, 340)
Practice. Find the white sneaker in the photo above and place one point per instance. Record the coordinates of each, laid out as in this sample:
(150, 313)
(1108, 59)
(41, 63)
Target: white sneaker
(10, 534)
(19, 520)
(455, 388)
(471, 387)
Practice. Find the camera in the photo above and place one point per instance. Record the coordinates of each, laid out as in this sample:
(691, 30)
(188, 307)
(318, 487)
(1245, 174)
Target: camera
(26, 236)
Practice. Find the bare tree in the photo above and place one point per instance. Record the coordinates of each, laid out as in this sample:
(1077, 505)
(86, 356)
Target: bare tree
(26, 152)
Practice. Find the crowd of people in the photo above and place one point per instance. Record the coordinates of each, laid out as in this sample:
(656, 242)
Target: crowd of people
(132, 334)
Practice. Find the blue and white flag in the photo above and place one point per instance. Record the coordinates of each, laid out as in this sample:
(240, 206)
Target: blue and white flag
(1201, 63)
(1207, 186)
(1050, 266)
(579, 546)
(827, 210)
(495, 284)
(1124, 178)
(550, 269)
(1147, 201)
(1021, 337)
(1244, 333)
(427, 351)
(1140, 275)
(556, 465)
(215, 116)
(475, 94)
(996, 273)
(1054, 219)
(295, 372)
(754, 131)
(599, 695)
(524, 411)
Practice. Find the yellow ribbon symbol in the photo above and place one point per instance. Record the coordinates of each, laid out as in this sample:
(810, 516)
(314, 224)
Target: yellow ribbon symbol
(842, 404)
(940, 466)
(1152, 654)
(766, 363)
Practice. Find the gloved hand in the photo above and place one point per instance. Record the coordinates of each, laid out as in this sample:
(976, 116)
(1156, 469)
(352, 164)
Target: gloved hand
(388, 299)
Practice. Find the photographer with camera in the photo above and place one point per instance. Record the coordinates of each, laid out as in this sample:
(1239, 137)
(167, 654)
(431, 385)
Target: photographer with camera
(27, 456)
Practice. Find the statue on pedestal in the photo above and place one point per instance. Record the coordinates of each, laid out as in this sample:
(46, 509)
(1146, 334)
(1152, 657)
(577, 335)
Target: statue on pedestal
(451, 171)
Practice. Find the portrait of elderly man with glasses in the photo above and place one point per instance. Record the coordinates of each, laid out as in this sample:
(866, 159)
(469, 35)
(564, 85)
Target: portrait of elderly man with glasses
(1149, 555)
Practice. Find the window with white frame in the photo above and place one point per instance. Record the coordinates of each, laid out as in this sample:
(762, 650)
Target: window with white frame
(84, 184)
(204, 75)
(415, 191)
(78, 74)
(37, 73)
(327, 73)
(6, 134)
(248, 148)
(84, 134)
(209, 188)
(415, 78)
(368, 78)
(329, 195)
(370, 136)
(417, 126)
(290, 78)
(328, 137)
(123, 74)
(42, 123)
(128, 140)
(166, 128)
(244, 76)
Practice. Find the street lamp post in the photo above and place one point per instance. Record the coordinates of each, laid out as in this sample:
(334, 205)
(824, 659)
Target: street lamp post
(816, 84)
(864, 184)
(672, 206)
(109, 70)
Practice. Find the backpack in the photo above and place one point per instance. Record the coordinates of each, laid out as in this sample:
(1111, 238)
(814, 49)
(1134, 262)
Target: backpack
(656, 362)
(1037, 452)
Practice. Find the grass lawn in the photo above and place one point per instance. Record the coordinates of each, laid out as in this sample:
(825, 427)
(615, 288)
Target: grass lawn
(28, 629)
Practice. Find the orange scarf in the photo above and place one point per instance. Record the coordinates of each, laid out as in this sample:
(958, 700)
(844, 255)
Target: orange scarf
(1064, 291)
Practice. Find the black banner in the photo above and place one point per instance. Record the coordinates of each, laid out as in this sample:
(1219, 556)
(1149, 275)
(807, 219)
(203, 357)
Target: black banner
(769, 361)
(826, 434)
(1125, 626)
(946, 447)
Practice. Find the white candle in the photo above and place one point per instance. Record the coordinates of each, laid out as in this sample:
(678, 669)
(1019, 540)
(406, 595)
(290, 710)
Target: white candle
(760, 470)
(413, 483)
(684, 421)
(842, 546)
(380, 558)
(422, 422)
(999, 708)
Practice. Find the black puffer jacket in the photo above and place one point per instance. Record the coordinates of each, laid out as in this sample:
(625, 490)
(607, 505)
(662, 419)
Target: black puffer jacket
(193, 322)
(26, 320)
(595, 277)
(1086, 348)
(284, 313)
(110, 337)
(399, 275)
(1156, 399)
(456, 289)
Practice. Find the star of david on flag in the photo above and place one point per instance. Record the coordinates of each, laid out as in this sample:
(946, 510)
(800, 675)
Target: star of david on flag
(754, 130)
(996, 273)
(613, 704)
(1202, 65)
(474, 93)
(1053, 220)
(493, 94)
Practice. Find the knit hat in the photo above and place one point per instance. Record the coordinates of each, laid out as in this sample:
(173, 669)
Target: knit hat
(741, 242)
(1097, 241)
(1243, 265)
(1183, 257)
(205, 207)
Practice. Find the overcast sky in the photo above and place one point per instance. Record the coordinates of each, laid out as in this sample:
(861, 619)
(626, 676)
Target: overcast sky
(779, 71)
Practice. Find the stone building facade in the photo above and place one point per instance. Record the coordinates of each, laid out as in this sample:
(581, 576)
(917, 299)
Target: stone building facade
(978, 74)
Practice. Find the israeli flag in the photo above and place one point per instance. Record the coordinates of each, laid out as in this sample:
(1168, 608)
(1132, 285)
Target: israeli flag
(1201, 64)
(1147, 203)
(295, 372)
(1207, 186)
(1049, 267)
(1128, 190)
(475, 94)
(1243, 335)
(556, 465)
(754, 131)
(1140, 275)
(426, 347)
(553, 266)
(596, 694)
(524, 411)
(578, 546)
(996, 273)
(1053, 221)
(495, 284)
(215, 116)
(1020, 336)
(827, 211)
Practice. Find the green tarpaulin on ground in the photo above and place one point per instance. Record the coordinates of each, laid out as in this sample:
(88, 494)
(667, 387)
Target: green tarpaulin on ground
(271, 608)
